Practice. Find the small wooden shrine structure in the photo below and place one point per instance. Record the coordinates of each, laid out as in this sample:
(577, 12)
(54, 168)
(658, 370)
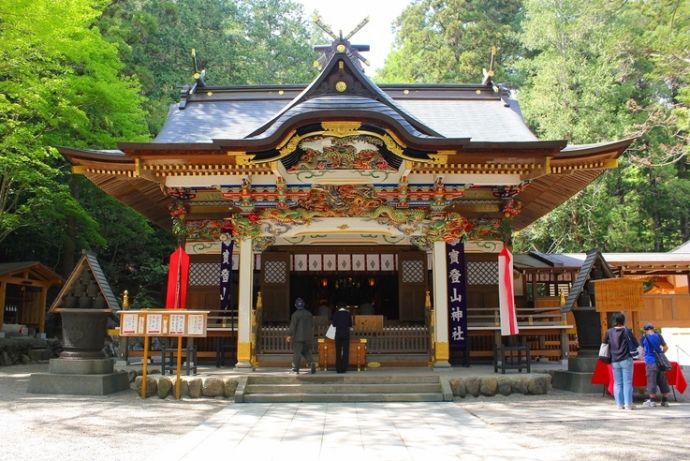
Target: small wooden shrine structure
(23, 293)
(343, 191)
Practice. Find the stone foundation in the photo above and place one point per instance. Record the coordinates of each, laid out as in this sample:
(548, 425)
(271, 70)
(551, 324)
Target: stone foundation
(475, 386)
(79, 377)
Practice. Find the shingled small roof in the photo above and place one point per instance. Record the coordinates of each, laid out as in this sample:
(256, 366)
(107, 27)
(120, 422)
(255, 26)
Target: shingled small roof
(88, 265)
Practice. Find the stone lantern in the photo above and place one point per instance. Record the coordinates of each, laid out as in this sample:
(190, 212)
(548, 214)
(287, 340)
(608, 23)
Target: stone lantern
(85, 303)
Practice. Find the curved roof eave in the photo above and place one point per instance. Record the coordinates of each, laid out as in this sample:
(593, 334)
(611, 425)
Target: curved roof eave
(549, 191)
(574, 150)
(377, 93)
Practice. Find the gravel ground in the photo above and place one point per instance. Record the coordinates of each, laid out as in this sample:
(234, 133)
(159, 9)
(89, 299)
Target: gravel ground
(122, 427)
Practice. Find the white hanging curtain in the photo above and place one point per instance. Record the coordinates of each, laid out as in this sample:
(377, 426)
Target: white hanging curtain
(506, 294)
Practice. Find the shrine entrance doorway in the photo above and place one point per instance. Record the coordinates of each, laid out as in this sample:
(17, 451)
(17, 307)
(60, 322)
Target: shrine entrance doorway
(388, 281)
(384, 288)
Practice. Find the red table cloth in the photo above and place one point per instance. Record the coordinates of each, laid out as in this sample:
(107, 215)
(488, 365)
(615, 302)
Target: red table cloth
(603, 374)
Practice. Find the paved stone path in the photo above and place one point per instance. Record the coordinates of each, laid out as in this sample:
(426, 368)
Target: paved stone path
(399, 431)
(557, 426)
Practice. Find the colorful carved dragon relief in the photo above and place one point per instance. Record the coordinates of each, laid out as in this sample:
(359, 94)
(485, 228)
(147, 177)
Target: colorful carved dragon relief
(359, 152)
(512, 207)
(450, 228)
(345, 200)
(454, 227)
(178, 215)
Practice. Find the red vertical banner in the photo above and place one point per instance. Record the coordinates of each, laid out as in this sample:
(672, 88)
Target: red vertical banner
(178, 279)
(506, 293)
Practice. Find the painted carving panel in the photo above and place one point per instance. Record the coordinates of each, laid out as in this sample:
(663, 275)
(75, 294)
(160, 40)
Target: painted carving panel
(360, 152)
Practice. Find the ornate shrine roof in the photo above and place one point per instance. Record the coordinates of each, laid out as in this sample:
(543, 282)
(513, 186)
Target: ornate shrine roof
(464, 149)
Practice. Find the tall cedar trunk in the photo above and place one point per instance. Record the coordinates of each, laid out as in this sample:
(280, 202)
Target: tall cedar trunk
(656, 218)
(69, 246)
(684, 224)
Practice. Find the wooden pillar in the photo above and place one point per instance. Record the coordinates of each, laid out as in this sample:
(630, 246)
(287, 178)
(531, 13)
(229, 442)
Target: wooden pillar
(3, 287)
(440, 286)
(565, 344)
(42, 310)
(245, 298)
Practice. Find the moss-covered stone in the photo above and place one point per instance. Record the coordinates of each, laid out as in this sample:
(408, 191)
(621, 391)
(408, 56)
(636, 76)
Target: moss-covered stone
(504, 385)
(151, 385)
(520, 385)
(457, 386)
(473, 385)
(165, 386)
(229, 387)
(212, 387)
(195, 387)
(539, 384)
(489, 386)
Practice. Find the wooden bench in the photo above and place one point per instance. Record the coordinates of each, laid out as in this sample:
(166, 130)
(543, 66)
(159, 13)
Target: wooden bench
(169, 355)
(512, 356)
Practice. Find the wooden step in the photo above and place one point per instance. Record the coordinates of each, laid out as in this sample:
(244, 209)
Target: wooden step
(371, 397)
(351, 378)
(370, 388)
(351, 387)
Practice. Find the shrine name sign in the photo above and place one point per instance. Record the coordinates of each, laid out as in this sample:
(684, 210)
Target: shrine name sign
(163, 322)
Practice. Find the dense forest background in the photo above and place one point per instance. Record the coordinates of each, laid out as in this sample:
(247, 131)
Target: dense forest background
(90, 73)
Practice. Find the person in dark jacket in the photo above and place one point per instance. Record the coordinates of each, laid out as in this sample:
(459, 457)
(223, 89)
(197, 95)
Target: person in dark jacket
(620, 340)
(301, 336)
(342, 321)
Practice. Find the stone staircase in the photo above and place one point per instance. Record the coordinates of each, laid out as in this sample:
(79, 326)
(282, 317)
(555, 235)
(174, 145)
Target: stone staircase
(350, 387)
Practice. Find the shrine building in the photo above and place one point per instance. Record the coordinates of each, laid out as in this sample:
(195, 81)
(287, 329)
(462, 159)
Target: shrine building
(392, 200)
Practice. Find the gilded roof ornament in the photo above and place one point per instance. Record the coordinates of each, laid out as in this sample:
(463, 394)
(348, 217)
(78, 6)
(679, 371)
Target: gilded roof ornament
(489, 74)
(340, 44)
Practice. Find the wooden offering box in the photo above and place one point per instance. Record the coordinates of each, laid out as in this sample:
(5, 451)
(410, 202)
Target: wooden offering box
(357, 357)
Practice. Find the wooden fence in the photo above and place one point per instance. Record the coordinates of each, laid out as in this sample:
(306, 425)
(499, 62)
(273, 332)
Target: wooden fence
(393, 339)
(672, 310)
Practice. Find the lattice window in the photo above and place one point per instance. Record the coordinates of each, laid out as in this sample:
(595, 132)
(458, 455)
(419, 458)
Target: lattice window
(275, 272)
(412, 271)
(204, 274)
(482, 273)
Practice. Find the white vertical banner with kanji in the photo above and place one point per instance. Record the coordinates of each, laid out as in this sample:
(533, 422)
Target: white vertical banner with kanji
(506, 294)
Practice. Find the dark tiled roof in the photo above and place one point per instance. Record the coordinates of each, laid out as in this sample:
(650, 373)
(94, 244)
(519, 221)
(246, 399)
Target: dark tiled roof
(203, 121)
(340, 103)
(6, 268)
(103, 284)
(481, 120)
(39, 269)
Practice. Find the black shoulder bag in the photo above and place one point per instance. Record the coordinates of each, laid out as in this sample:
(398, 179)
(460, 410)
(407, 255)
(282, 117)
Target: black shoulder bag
(662, 362)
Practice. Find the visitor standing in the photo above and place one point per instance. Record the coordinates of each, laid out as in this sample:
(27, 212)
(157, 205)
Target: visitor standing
(653, 341)
(301, 336)
(342, 321)
(620, 340)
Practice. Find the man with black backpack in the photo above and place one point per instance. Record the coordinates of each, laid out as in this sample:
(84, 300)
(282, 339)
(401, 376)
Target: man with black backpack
(654, 342)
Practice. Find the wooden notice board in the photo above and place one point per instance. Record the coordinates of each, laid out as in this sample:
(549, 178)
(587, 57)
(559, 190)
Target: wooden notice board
(163, 322)
(175, 323)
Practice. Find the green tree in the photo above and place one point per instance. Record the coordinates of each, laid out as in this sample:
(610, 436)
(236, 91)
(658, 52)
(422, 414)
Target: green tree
(237, 42)
(603, 70)
(60, 84)
(445, 41)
